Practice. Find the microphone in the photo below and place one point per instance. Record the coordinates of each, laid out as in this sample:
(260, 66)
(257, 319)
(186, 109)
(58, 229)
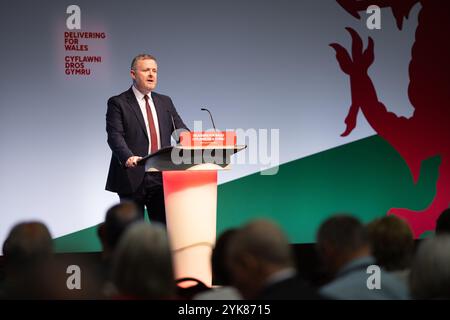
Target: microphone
(175, 134)
(173, 122)
(210, 115)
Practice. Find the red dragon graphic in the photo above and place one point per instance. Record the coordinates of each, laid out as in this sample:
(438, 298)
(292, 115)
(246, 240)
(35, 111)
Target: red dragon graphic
(427, 132)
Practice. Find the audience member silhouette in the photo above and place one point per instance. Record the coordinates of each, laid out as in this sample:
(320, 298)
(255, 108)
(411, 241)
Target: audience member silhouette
(343, 246)
(117, 219)
(262, 265)
(142, 265)
(221, 273)
(430, 271)
(392, 245)
(28, 253)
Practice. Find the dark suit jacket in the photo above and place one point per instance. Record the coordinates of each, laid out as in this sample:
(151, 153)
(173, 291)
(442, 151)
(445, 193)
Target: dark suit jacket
(127, 136)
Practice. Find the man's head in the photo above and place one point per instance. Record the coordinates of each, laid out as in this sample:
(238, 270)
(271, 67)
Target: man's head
(27, 244)
(142, 266)
(340, 240)
(29, 264)
(430, 272)
(255, 252)
(144, 72)
(117, 220)
(218, 257)
(392, 242)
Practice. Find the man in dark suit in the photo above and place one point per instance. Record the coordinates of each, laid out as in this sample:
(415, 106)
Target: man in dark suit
(140, 121)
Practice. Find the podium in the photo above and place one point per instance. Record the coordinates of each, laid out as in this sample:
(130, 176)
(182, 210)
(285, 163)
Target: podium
(190, 194)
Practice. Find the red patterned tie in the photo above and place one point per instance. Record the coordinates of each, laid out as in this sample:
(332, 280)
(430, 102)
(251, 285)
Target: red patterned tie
(151, 125)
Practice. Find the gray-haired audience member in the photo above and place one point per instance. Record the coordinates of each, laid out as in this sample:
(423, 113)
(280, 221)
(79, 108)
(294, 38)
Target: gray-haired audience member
(443, 223)
(392, 245)
(343, 246)
(430, 272)
(28, 251)
(142, 267)
(262, 265)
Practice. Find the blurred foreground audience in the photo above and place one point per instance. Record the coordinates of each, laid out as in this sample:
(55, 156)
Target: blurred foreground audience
(142, 266)
(254, 262)
(28, 254)
(117, 219)
(262, 266)
(430, 272)
(343, 246)
(221, 271)
(392, 245)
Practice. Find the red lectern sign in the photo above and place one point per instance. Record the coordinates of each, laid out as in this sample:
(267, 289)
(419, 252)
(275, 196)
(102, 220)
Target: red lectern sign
(202, 139)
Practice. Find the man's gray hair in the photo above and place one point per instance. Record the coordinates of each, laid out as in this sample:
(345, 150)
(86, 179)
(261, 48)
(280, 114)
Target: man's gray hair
(142, 267)
(430, 272)
(141, 56)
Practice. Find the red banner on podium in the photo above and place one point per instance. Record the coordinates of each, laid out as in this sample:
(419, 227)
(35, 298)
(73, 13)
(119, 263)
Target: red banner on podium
(202, 139)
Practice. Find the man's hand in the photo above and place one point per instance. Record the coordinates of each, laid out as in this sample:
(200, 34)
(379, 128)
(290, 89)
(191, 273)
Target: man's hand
(132, 161)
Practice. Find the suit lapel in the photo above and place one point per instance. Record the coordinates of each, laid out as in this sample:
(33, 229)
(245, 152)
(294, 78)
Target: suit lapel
(132, 102)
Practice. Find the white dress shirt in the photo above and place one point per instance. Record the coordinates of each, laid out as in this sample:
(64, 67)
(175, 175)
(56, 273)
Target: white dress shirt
(141, 101)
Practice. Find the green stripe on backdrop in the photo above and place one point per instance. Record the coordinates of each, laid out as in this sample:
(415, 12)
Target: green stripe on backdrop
(365, 178)
(85, 240)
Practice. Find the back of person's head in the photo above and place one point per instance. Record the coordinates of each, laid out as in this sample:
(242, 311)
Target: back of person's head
(344, 232)
(219, 266)
(340, 239)
(263, 240)
(392, 242)
(28, 243)
(118, 218)
(142, 266)
(28, 253)
(256, 252)
(443, 222)
(430, 271)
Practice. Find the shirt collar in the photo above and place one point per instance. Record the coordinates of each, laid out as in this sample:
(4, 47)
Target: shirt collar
(139, 96)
